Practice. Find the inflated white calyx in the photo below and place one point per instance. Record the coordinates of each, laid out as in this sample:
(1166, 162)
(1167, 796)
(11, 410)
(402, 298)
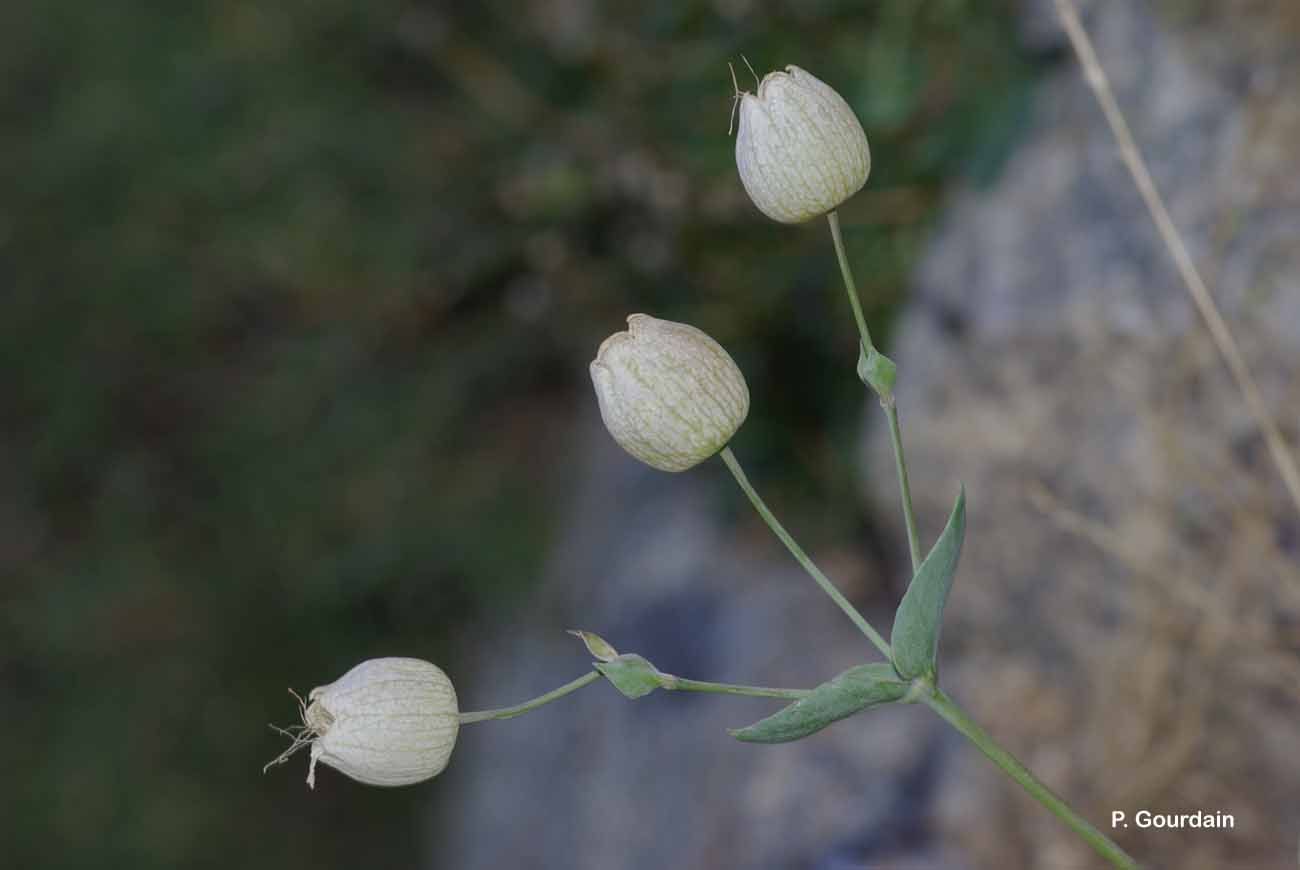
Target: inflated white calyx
(800, 150)
(388, 721)
(669, 394)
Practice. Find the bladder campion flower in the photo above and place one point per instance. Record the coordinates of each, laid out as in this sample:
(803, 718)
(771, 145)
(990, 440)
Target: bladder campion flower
(388, 721)
(800, 150)
(669, 394)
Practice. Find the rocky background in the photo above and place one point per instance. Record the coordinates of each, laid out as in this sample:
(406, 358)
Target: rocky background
(1126, 614)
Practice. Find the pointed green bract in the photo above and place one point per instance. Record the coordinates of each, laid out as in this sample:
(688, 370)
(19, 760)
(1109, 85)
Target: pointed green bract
(915, 638)
(851, 692)
(632, 675)
(596, 645)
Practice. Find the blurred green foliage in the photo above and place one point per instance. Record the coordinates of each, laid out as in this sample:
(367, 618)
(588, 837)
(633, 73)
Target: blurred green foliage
(297, 295)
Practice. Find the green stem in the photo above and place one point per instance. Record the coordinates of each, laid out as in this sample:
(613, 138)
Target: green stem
(670, 682)
(936, 698)
(957, 718)
(529, 706)
(850, 286)
(886, 398)
(905, 488)
(678, 684)
(800, 556)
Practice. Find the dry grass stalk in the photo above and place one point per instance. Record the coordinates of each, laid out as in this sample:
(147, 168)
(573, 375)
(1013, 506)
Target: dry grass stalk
(1219, 331)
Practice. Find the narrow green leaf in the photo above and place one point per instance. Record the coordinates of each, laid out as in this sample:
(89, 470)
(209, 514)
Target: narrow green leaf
(915, 638)
(851, 692)
(631, 674)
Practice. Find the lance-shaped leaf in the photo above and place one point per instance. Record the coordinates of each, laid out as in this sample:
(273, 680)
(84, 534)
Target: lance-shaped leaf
(631, 674)
(851, 692)
(915, 638)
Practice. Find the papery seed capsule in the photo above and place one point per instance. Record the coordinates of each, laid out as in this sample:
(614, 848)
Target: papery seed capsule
(388, 721)
(669, 394)
(800, 150)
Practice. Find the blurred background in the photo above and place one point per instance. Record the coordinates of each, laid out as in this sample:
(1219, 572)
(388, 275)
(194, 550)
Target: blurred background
(296, 304)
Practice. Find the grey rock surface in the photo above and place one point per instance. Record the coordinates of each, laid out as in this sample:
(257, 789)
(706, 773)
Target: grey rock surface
(1131, 549)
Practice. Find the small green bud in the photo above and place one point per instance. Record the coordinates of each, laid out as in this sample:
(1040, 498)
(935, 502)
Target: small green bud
(877, 371)
(632, 675)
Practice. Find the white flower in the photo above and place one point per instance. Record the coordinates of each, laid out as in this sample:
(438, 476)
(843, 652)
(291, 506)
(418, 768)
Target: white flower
(389, 721)
(669, 394)
(801, 151)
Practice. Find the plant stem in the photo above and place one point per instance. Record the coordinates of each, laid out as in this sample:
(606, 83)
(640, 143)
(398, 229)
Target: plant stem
(905, 488)
(886, 398)
(935, 697)
(670, 682)
(678, 684)
(800, 556)
(850, 285)
(939, 701)
(533, 704)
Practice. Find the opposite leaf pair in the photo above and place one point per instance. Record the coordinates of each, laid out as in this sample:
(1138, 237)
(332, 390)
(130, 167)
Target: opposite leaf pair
(914, 643)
